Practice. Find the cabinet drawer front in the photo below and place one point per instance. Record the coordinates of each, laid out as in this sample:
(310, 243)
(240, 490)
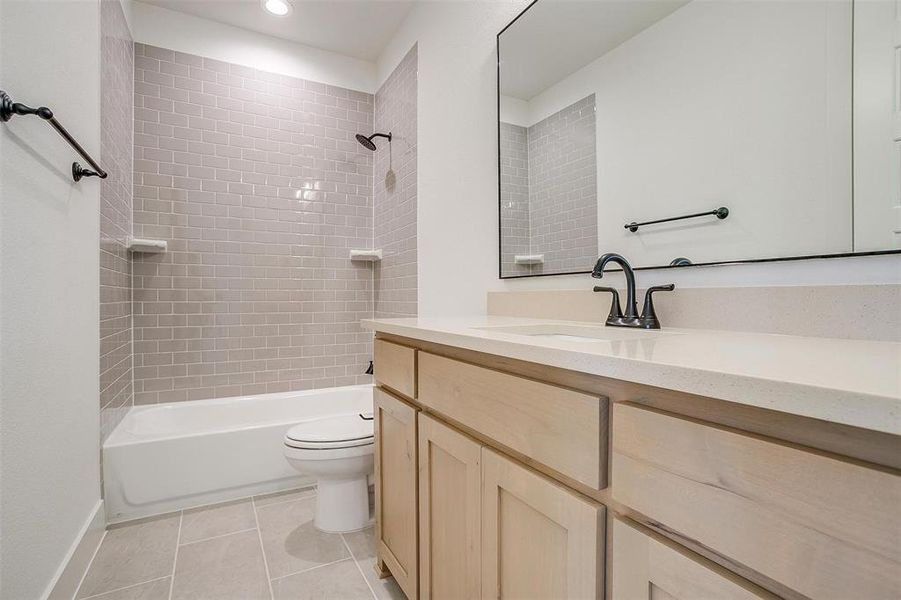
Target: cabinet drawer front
(648, 567)
(818, 526)
(396, 489)
(395, 367)
(560, 428)
(539, 539)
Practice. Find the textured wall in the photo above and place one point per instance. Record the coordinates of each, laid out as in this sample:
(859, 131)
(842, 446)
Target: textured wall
(116, 148)
(549, 191)
(394, 182)
(514, 173)
(257, 184)
(563, 189)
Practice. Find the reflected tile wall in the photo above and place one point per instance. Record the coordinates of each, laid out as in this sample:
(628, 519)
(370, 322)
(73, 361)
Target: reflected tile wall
(257, 184)
(117, 56)
(394, 181)
(563, 189)
(514, 173)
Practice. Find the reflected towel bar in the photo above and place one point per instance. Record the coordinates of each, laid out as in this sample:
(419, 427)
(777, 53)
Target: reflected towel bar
(720, 213)
(8, 108)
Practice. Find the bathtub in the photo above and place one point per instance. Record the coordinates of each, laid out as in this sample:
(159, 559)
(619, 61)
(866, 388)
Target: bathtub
(165, 457)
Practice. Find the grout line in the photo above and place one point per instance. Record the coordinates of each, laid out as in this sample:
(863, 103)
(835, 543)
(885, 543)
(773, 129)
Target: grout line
(256, 519)
(334, 562)
(181, 517)
(90, 563)
(216, 537)
(305, 497)
(359, 568)
(127, 587)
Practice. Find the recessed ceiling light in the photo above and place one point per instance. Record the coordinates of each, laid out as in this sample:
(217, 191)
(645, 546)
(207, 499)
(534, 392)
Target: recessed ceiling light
(279, 8)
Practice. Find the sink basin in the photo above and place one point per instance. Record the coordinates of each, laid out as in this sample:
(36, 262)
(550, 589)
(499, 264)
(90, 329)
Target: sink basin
(578, 333)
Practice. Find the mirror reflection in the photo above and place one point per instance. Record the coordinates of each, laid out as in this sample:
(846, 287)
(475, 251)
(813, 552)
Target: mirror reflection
(696, 132)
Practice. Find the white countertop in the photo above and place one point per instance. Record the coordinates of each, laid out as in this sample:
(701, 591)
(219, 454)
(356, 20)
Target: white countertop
(843, 381)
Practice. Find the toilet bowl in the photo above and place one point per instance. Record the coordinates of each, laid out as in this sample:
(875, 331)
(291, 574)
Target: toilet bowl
(338, 452)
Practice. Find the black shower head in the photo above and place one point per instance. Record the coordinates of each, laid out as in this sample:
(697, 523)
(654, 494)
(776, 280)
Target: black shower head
(366, 142)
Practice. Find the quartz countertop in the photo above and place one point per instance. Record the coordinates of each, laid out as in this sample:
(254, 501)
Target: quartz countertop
(853, 382)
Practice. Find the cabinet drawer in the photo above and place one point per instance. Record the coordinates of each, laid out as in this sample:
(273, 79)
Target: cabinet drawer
(648, 567)
(819, 526)
(395, 367)
(557, 427)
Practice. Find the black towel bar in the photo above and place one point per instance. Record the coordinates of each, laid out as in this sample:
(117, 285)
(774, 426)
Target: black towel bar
(8, 108)
(720, 213)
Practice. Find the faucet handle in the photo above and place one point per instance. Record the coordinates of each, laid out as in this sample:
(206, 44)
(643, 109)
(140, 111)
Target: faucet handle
(615, 311)
(648, 317)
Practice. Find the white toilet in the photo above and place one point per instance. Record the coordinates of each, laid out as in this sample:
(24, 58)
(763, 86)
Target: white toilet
(338, 452)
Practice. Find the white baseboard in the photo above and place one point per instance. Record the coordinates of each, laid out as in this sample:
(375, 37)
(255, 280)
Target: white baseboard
(78, 559)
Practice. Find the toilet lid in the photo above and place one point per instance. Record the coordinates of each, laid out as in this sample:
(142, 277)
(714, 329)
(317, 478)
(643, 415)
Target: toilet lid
(347, 430)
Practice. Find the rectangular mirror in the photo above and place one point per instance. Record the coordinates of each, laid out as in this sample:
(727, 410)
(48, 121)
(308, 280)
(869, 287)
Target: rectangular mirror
(697, 132)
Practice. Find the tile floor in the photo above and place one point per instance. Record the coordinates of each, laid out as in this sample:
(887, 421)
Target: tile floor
(263, 547)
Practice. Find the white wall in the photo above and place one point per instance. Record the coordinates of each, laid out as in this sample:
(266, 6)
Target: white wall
(877, 126)
(186, 33)
(49, 292)
(457, 148)
(458, 245)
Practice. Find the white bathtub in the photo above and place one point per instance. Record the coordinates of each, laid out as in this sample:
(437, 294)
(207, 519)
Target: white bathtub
(166, 457)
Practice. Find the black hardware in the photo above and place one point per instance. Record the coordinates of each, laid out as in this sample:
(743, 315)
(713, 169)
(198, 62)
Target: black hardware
(598, 272)
(365, 418)
(369, 370)
(615, 311)
(720, 213)
(648, 318)
(680, 262)
(8, 108)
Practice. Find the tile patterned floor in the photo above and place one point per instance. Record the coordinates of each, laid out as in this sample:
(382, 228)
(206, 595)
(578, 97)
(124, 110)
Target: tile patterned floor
(262, 548)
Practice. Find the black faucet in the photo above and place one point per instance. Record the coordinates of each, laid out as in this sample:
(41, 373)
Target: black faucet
(616, 318)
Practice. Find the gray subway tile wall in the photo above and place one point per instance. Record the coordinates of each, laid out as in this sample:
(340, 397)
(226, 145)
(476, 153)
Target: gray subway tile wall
(563, 189)
(117, 56)
(258, 186)
(561, 169)
(394, 182)
(514, 173)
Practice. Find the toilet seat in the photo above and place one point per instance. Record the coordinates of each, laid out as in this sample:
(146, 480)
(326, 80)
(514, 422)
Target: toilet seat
(331, 433)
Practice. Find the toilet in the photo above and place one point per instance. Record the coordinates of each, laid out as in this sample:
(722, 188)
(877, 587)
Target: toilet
(337, 451)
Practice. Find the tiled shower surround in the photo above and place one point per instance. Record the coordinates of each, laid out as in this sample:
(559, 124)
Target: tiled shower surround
(259, 188)
(561, 167)
(395, 193)
(514, 173)
(117, 56)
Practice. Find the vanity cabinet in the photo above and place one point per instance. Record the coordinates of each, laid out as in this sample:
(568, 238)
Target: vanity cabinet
(394, 423)
(499, 478)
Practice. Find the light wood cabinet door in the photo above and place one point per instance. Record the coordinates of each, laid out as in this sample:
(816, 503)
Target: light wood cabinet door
(449, 513)
(647, 567)
(539, 539)
(396, 489)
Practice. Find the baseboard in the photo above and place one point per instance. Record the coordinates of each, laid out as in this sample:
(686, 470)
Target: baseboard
(78, 559)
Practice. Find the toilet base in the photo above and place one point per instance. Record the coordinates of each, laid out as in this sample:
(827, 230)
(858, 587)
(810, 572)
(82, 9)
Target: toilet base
(342, 505)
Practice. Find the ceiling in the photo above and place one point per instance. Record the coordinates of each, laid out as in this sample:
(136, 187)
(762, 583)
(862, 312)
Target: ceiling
(556, 38)
(357, 28)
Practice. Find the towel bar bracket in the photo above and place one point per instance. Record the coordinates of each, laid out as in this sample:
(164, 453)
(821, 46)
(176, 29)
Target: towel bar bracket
(8, 109)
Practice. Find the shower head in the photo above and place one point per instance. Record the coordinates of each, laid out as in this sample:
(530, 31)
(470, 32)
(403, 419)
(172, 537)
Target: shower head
(367, 143)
